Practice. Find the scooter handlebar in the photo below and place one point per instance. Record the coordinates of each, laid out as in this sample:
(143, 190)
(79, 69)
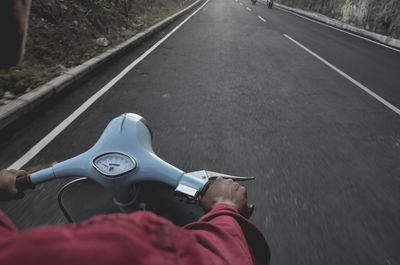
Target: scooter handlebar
(41, 176)
(129, 139)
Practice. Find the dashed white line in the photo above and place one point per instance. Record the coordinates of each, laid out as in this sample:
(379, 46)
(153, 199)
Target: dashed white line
(57, 130)
(355, 82)
(263, 20)
(241, 4)
(341, 30)
(248, 8)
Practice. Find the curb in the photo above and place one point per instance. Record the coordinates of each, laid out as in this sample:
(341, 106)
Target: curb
(391, 42)
(27, 102)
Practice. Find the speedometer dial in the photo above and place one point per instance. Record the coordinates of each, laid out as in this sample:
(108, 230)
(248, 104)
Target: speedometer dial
(114, 164)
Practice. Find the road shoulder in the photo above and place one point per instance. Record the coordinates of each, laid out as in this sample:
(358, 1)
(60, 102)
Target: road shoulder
(371, 36)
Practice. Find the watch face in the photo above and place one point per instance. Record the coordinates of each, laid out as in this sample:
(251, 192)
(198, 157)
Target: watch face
(114, 164)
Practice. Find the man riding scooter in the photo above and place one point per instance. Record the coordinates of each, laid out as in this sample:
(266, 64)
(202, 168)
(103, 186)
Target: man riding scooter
(222, 236)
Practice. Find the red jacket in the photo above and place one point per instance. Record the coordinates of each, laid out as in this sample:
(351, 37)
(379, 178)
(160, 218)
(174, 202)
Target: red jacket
(220, 237)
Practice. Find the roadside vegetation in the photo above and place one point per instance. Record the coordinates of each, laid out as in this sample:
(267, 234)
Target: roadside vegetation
(66, 33)
(380, 16)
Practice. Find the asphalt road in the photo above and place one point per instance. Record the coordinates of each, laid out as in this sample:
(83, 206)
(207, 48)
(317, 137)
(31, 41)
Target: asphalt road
(229, 92)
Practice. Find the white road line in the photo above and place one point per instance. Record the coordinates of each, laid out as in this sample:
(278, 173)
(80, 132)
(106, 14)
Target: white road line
(341, 30)
(263, 20)
(371, 93)
(57, 130)
(241, 4)
(248, 8)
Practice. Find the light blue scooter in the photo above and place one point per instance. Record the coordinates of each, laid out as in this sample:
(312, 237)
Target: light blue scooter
(121, 172)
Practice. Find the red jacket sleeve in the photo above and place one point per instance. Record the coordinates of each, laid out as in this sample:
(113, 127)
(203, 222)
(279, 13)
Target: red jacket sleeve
(138, 238)
(231, 236)
(6, 226)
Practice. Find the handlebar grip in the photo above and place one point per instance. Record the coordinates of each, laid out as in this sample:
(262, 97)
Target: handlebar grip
(248, 211)
(24, 183)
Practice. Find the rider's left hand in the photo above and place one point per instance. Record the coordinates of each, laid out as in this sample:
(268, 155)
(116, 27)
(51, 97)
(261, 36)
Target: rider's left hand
(8, 187)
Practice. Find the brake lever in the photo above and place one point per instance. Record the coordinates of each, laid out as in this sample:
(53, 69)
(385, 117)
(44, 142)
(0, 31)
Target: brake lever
(213, 175)
(193, 184)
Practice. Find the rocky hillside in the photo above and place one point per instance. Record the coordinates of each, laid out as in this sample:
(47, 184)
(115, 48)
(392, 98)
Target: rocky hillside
(381, 16)
(65, 33)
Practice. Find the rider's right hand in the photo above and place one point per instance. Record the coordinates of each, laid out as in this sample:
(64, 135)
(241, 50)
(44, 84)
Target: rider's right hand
(227, 192)
(8, 187)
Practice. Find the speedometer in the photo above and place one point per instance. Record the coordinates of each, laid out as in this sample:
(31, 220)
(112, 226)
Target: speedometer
(114, 164)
